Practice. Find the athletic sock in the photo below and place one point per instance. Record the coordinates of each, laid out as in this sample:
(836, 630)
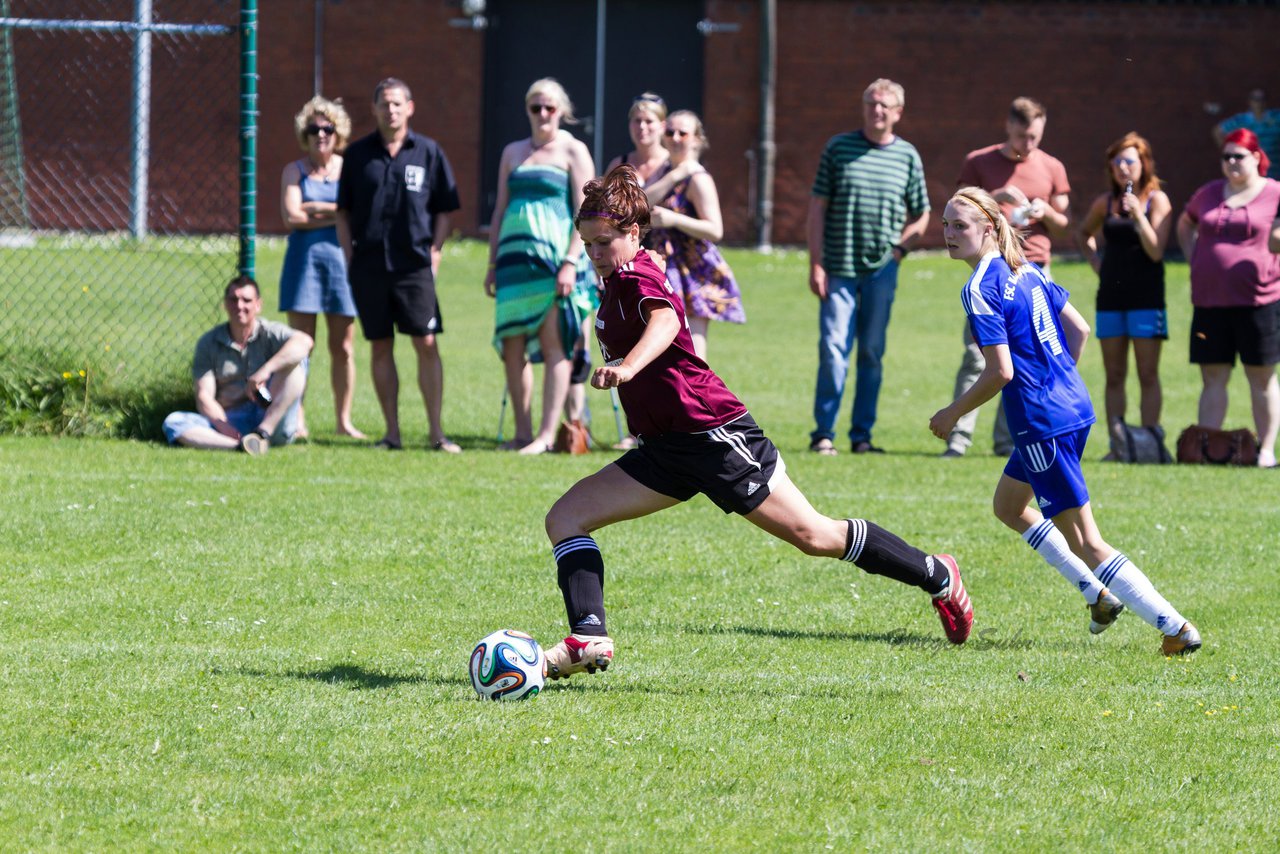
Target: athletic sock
(872, 548)
(1049, 543)
(1134, 589)
(580, 572)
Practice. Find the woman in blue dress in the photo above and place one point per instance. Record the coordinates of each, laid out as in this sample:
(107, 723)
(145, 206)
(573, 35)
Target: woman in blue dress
(538, 273)
(314, 278)
(1031, 337)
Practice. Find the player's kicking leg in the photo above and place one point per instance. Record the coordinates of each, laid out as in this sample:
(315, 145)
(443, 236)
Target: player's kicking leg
(610, 495)
(789, 516)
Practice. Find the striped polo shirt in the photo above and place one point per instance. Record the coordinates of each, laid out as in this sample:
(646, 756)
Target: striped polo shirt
(871, 191)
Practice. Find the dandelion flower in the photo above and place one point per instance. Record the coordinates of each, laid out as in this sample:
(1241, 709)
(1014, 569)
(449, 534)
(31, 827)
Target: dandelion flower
(66, 375)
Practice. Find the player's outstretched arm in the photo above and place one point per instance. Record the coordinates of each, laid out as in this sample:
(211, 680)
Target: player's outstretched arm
(995, 375)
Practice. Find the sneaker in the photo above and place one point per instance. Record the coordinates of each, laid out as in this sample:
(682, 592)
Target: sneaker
(1185, 641)
(254, 444)
(579, 654)
(953, 604)
(1104, 612)
(951, 454)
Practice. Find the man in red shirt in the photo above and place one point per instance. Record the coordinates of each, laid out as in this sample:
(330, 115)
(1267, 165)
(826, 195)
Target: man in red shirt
(1031, 187)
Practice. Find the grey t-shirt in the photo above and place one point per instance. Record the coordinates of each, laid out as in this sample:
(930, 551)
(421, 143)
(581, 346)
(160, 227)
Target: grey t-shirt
(216, 352)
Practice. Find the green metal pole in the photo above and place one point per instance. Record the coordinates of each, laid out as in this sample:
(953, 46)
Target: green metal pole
(248, 133)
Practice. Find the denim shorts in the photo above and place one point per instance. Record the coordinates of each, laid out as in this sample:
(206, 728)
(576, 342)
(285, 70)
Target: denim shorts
(1138, 323)
(246, 417)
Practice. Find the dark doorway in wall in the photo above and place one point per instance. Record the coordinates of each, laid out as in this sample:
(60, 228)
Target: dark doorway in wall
(650, 45)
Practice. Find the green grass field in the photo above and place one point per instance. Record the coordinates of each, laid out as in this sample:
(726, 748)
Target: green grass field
(216, 652)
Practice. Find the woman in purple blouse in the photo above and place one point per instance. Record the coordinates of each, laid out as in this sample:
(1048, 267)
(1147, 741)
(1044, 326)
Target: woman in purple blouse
(1228, 232)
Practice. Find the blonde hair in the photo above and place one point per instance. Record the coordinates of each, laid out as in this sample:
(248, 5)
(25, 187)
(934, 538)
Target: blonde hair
(551, 87)
(699, 132)
(1009, 241)
(1026, 110)
(331, 110)
(888, 87)
(651, 102)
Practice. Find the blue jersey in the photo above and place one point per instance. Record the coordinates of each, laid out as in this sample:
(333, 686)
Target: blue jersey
(1046, 396)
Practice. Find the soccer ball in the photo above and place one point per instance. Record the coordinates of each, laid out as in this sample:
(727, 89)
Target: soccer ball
(507, 665)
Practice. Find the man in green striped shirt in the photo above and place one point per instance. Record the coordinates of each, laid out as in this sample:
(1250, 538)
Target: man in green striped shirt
(869, 207)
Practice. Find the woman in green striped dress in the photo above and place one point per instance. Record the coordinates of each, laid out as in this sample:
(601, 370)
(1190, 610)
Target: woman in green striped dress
(537, 271)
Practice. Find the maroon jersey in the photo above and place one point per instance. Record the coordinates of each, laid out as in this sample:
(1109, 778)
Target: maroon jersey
(676, 392)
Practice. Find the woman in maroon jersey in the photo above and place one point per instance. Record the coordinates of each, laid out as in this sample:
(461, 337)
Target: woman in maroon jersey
(695, 437)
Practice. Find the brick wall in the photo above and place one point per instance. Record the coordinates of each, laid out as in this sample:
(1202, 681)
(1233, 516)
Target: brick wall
(1101, 69)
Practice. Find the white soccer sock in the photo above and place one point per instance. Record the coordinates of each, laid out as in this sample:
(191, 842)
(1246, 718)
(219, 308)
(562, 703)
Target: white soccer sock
(1134, 589)
(1052, 546)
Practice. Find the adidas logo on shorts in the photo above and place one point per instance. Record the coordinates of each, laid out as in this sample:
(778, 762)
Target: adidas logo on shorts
(752, 486)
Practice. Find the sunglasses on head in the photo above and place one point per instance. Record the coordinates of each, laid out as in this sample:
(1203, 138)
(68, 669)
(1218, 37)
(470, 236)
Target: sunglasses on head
(1233, 157)
(649, 99)
(321, 130)
(539, 109)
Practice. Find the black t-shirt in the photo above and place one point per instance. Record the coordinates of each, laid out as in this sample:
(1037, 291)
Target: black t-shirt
(392, 201)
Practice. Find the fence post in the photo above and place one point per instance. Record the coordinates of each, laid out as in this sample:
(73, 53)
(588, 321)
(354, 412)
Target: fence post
(248, 133)
(140, 119)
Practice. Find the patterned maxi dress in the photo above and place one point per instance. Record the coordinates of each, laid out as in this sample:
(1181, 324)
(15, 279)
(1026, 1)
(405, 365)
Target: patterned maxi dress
(696, 268)
(532, 242)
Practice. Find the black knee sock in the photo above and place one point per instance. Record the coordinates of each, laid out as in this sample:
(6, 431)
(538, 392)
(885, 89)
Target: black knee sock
(580, 571)
(880, 552)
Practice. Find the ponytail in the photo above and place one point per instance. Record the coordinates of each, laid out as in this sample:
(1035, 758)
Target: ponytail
(1009, 241)
(618, 198)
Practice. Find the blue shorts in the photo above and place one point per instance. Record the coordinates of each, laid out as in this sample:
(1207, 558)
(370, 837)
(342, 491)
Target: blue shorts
(1052, 468)
(246, 417)
(1139, 323)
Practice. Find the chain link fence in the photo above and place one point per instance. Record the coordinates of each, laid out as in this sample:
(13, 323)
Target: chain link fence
(119, 162)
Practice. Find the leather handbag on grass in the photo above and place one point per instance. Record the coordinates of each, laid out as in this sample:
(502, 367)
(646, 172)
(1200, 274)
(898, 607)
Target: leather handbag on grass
(1218, 447)
(572, 438)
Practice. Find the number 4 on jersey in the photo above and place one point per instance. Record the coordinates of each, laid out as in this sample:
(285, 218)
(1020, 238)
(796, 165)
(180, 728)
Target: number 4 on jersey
(1042, 319)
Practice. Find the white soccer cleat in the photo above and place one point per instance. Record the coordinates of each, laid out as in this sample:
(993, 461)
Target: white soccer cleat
(579, 654)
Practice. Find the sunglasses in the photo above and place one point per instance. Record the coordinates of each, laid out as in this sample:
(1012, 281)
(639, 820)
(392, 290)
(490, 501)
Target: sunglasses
(1233, 157)
(321, 130)
(675, 133)
(1124, 161)
(539, 109)
(649, 99)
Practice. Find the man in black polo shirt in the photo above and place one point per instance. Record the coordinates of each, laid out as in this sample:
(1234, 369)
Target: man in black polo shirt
(394, 201)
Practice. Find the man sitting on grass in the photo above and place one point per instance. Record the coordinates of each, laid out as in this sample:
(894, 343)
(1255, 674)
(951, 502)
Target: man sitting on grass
(247, 388)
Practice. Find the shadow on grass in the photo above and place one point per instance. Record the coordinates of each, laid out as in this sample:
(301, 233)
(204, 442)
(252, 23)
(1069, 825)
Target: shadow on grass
(988, 638)
(358, 678)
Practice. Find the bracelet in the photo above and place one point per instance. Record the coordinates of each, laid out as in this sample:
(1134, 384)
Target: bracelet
(904, 250)
(569, 261)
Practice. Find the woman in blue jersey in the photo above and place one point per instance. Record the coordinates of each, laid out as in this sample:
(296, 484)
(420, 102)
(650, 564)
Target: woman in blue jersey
(1032, 337)
(537, 272)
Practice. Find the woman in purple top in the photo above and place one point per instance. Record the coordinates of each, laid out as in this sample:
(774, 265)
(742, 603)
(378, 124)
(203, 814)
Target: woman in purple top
(686, 228)
(1235, 286)
(695, 437)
